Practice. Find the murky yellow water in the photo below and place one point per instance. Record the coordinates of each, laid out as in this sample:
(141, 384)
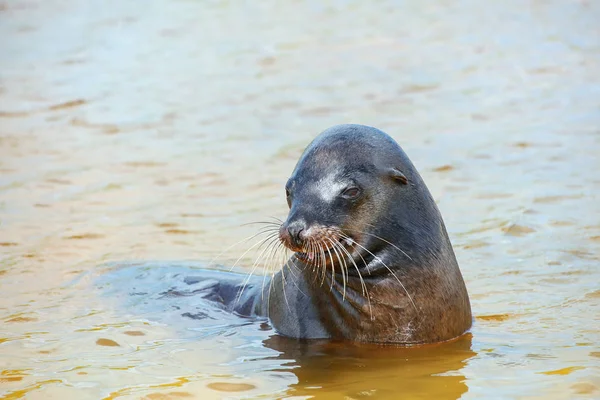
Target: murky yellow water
(153, 130)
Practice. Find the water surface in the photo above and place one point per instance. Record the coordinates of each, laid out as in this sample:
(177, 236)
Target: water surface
(152, 132)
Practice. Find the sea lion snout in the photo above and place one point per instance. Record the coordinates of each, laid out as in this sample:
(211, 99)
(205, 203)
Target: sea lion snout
(293, 234)
(314, 243)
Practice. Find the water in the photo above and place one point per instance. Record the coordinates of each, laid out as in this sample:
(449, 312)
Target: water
(152, 132)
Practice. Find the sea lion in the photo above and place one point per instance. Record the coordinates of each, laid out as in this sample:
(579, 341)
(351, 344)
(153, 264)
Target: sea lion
(372, 259)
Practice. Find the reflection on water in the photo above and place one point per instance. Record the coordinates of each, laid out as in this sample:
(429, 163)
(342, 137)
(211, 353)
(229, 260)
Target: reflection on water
(340, 370)
(154, 132)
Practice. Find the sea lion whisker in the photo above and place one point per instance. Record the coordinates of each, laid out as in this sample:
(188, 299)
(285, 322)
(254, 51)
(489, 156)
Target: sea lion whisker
(271, 223)
(259, 244)
(312, 256)
(319, 255)
(295, 276)
(310, 247)
(345, 268)
(380, 238)
(324, 267)
(333, 281)
(313, 249)
(286, 260)
(326, 272)
(279, 220)
(343, 275)
(261, 232)
(284, 283)
(273, 274)
(323, 258)
(340, 261)
(360, 255)
(268, 229)
(365, 290)
(339, 245)
(291, 270)
(273, 240)
(267, 267)
(391, 272)
(332, 272)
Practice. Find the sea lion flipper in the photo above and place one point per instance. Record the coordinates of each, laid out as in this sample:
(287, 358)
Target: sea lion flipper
(236, 292)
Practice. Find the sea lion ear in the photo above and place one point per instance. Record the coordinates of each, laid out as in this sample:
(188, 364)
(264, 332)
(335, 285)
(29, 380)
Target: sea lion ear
(397, 175)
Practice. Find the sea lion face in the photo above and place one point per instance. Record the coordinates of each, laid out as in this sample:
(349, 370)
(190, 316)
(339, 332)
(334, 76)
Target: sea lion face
(337, 192)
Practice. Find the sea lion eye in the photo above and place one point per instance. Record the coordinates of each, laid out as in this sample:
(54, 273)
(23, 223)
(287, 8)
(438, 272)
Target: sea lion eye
(288, 197)
(351, 193)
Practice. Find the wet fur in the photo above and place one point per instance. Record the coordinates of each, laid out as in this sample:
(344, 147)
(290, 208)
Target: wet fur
(403, 259)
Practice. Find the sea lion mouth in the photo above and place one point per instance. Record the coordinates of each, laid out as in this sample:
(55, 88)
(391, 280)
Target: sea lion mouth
(335, 251)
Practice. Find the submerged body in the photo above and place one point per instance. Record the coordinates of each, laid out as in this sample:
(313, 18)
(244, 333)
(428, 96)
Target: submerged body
(372, 259)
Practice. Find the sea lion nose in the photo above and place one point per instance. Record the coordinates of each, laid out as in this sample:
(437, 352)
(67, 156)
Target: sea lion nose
(295, 230)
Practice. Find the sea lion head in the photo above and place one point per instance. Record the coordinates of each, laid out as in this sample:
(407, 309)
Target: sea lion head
(354, 194)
